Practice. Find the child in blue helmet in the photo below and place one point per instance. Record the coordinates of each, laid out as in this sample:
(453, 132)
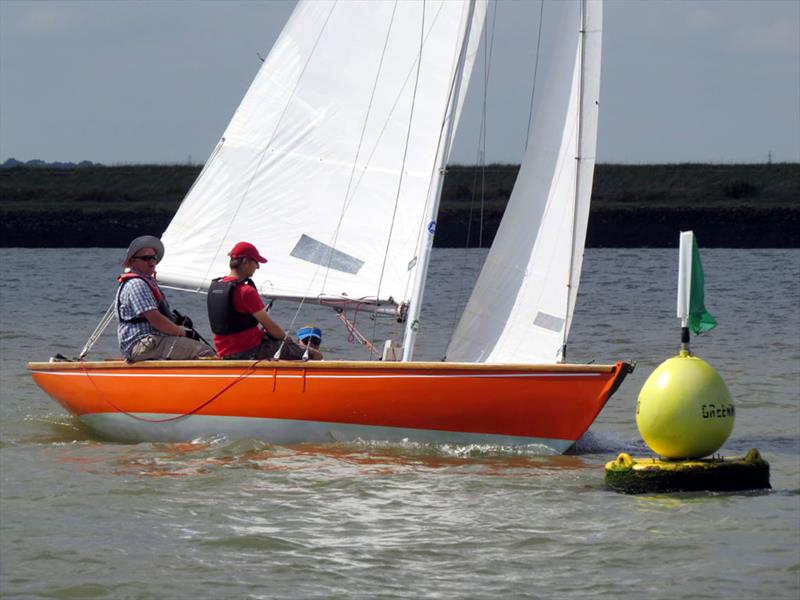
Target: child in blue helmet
(310, 336)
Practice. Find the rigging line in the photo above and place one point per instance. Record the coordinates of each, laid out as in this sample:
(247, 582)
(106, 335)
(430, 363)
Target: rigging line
(203, 171)
(375, 147)
(446, 136)
(436, 166)
(340, 307)
(358, 152)
(481, 158)
(379, 137)
(347, 194)
(356, 335)
(206, 166)
(481, 153)
(487, 67)
(272, 135)
(98, 331)
(346, 202)
(578, 159)
(405, 149)
(397, 98)
(535, 71)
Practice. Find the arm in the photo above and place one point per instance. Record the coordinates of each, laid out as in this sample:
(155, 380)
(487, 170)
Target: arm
(163, 324)
(276, 332)
(271, 327)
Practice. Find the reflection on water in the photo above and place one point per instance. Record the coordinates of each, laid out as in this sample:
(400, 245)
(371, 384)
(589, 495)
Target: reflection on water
(340, 459)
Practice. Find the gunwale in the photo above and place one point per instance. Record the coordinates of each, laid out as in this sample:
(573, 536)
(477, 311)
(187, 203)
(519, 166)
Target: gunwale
(118, 364)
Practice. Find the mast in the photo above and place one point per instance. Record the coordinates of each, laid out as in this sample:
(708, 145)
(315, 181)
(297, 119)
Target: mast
(578, 158)
(426, 241)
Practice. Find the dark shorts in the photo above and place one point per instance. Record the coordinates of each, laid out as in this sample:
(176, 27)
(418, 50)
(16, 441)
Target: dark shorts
(267, 349)
(168, 347)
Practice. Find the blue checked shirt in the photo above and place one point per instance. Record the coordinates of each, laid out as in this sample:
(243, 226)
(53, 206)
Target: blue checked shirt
(134, 299)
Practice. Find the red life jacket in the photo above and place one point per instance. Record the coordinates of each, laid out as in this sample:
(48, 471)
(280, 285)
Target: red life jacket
(158, 296)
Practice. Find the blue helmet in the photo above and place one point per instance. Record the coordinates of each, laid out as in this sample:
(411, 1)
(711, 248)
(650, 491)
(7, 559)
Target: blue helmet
(307, 332)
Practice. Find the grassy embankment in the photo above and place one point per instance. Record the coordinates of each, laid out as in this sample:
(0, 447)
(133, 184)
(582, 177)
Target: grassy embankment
(751, 205)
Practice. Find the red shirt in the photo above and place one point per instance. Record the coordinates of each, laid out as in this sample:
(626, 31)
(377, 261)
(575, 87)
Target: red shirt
(244, 299)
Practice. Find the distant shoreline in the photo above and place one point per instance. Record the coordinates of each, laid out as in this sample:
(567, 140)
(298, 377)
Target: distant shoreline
(728, 206)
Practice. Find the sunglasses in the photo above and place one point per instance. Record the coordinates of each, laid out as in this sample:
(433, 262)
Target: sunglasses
(147, 257)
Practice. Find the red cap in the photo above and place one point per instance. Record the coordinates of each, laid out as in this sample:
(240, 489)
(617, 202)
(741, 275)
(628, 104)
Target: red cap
(246, 249)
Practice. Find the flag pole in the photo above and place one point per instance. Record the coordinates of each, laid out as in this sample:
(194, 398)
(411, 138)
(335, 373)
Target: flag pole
(686, 244)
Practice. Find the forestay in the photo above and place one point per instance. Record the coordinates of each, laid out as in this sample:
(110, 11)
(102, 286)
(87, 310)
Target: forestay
(521, 308)
(330, 160)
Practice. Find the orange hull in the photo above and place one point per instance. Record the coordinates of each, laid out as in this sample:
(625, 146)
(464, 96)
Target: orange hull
(289, 402)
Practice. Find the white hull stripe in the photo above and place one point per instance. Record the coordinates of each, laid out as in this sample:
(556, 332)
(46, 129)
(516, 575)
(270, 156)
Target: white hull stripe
(315, 376)
(121, 427)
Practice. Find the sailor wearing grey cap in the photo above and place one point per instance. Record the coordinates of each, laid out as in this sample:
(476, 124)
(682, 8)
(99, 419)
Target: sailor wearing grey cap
(147, 328)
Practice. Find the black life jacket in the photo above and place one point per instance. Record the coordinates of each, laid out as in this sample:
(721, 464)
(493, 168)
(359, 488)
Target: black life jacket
(161, 301)
(222, 316)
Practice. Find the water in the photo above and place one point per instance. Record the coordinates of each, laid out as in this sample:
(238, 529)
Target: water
(81, 518)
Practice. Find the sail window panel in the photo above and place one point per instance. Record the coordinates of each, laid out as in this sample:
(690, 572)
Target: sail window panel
(314, 251)
(551, 322)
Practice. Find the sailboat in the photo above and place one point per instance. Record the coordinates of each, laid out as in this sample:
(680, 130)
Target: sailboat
(333, 163)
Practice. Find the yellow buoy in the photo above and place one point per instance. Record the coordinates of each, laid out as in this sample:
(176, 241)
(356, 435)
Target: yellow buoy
(684, 409)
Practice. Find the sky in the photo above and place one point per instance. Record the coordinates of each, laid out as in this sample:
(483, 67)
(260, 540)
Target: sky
(122, 82)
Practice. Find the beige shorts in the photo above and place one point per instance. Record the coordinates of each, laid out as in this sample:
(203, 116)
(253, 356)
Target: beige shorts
(168, 347)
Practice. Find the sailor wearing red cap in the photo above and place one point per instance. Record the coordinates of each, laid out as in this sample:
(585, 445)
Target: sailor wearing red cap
(235, 311)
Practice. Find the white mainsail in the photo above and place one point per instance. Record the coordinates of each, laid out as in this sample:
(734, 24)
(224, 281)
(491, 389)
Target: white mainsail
(328, 163)
(521, 308)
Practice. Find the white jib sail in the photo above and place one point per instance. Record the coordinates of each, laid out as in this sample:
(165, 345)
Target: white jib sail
(521, 308)
(327, 163)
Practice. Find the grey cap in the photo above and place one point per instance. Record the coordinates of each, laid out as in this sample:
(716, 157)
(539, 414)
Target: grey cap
(145, 241)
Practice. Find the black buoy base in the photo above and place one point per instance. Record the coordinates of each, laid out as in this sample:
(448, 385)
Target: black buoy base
(651, 475)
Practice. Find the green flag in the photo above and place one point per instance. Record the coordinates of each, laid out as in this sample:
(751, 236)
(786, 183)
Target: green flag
(700, 319)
